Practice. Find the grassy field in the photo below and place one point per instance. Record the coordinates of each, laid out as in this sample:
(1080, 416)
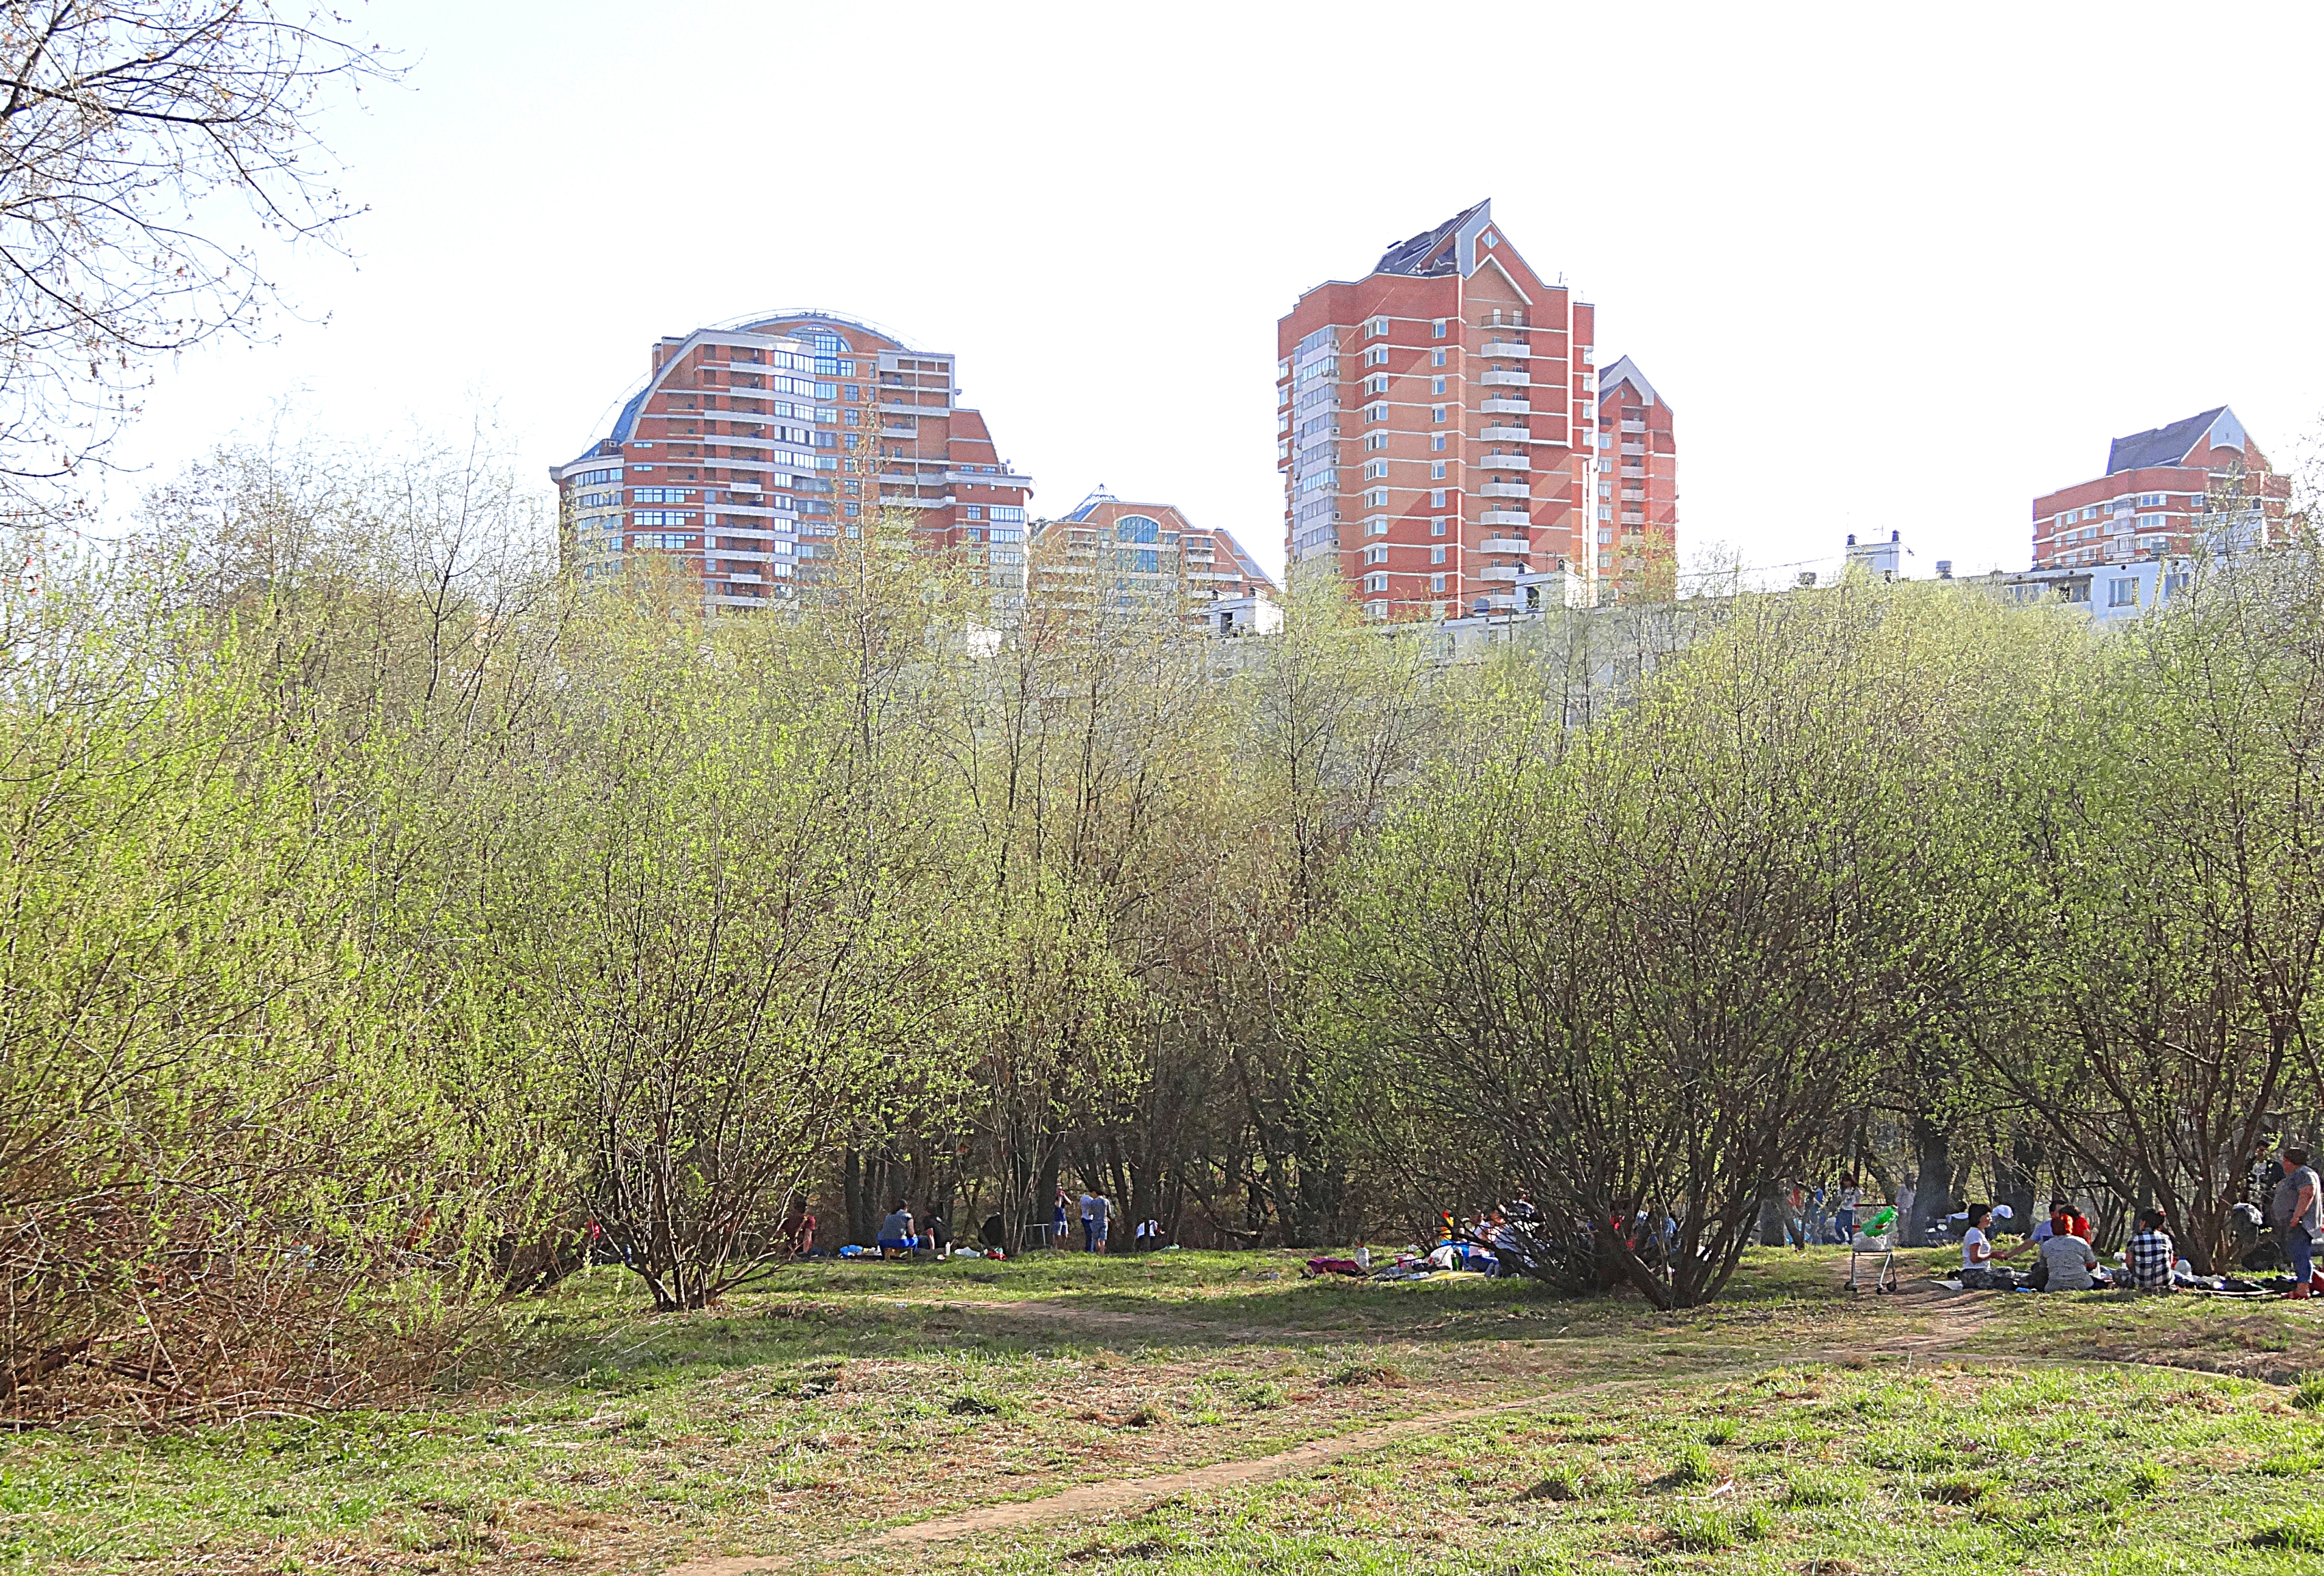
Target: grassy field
(831, 1413)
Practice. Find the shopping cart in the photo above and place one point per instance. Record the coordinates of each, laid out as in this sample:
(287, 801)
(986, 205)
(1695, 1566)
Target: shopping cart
(1884, 1274)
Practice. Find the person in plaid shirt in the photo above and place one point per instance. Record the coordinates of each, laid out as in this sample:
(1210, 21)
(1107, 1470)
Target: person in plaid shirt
(2150, 1253)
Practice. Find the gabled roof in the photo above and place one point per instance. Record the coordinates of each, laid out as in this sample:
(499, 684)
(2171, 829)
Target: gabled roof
(1244, 563)
(1448, 248)
(1088, 506)
(2162, 446)
(1625, 371)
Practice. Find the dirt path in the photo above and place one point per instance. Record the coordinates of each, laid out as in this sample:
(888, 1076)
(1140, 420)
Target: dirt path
(1116, 1496)
(1952, 1316)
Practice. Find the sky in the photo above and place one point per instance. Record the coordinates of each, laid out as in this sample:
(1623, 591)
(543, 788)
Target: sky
(1893, 268)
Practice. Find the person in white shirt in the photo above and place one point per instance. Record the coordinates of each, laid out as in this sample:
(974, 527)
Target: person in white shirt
(1977, 1248)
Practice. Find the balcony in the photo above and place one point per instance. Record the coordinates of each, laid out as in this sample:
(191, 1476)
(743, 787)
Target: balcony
(1505, 406)
(1499, 572)
(1507, 462)
(1523, 380)
(1639, 426)
(1516, 517)
(1506, 602)
(1506, 433)
(1503, 545)
(1638, 471)
(1510, 349)
(1505, 490)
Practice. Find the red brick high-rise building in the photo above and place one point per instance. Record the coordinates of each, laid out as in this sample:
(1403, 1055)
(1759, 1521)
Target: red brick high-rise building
(752, 449)
(2163, 489)
(1433, 423)
(1636, 545)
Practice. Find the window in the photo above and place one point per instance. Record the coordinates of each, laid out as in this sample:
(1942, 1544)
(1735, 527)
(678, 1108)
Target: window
(1376, 526)
(1375, 412)
(1137, 527)
(1379, 325)
(1589, 355)
(1436, 499)
(1436, 358)
(1437, 329)
(1376, 555)
(1438, 388)
(1436, 442)
(1376, 582)
(1436, 527)
(2122, 594)
(854, 390)
(649, 517)
(1376, 357)
(976, 511)
(1375, 440)
(1008, 512)
(669, 542)
(1436, 413)
(1375, 470)
(659, 494)
(1605, 513)
(1376, 385)
(1436, 582)
(1604, 538)
(1436, 556)
(1377, 499)
(1436, 471)
(597, 478)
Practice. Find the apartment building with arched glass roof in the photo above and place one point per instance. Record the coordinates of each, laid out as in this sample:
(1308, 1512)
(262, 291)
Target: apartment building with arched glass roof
(752, 447)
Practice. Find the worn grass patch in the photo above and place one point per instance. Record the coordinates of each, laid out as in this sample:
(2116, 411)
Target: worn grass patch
(839, 1399)
(1951, 1469)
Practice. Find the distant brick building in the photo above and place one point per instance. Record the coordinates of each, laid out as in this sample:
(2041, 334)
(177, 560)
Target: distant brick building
(2202, 479)
(1106, 551)
(1636, 546)
(750, 450)
(1432, 425)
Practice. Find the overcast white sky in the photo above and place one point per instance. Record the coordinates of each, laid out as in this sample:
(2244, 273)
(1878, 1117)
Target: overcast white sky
(1894, 268)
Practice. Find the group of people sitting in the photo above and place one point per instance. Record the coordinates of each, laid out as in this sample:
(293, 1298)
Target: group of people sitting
(901, 1236)
(2065, 1261)
(2063, 1258)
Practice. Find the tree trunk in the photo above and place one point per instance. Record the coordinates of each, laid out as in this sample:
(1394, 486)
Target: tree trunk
(2015, 1170)
(1931, 1191)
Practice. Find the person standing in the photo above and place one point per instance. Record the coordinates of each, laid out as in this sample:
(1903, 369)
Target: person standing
(1101, 1214)
(2298, 1211)
(1058, 1222)
(1850, 1196)
(1089, 1221)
